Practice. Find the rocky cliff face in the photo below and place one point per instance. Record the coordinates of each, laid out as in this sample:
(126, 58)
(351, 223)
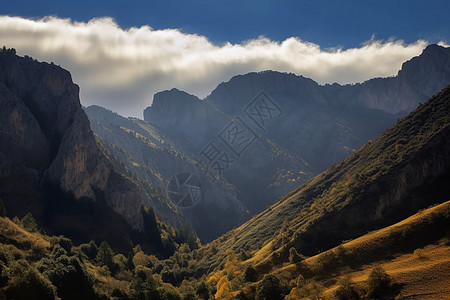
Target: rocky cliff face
(188, 119)
(46, 137)
(419, 78)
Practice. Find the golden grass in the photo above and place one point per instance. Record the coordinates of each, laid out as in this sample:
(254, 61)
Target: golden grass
(104, 283)
(20, 237)
(426, 277)
(423, 273)
(261, 254)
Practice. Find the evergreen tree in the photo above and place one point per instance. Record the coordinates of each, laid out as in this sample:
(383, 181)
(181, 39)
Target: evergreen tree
(2, 208)
(271, 288)
(29, 222)
(105, 255)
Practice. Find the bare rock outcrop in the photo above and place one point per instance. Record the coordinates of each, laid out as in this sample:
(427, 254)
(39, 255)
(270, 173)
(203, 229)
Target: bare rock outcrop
(45, 136)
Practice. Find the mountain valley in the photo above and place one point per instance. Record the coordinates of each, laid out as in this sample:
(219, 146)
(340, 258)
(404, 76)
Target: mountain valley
(272, 187)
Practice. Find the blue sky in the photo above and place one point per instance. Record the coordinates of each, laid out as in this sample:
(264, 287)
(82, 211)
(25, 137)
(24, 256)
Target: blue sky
(121, 53)
(327, 23)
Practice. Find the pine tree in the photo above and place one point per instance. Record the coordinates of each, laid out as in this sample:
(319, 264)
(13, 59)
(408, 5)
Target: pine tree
(29, 222)
(105, 255)
(2, 208)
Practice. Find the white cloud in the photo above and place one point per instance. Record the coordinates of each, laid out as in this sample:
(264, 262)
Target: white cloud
(122, 69)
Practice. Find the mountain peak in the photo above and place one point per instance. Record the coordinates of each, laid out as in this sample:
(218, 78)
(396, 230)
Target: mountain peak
(170, 103)
(173, 95)
(403, 170)
(433, 48)
(46, 145)
(425, 74)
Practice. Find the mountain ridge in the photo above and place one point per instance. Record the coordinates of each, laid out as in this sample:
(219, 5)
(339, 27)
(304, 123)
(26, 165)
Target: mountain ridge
(314, 125)
(389, 179)
(150, 159)
(51, 164)
(374, 187)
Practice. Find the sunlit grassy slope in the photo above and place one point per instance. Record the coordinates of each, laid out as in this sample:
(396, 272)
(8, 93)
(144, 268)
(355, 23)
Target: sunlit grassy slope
(404, 170)
(414, 252)
(20, 241)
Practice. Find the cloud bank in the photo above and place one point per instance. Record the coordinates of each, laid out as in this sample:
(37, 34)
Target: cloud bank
(121, 69)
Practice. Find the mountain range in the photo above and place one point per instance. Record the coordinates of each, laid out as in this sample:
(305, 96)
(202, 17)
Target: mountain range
(360, 172)
(292, 129)
(52, 166)
(402, 171)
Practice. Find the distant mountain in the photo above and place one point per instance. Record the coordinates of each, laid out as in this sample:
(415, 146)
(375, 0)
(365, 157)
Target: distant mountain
(205, 163)
(51, 164)
(308, 127)
(313, 124)
(145, 156)
(407, 168)
(229, 147)
(419, 78)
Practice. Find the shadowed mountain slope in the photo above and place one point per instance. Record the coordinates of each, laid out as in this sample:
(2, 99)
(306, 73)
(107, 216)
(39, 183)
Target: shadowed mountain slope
(405, 169)
(307, 125)
(52, 166)
(142, 153)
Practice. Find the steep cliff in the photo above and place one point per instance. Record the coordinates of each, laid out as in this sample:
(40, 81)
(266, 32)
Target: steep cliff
(418, 79)
(46, 142)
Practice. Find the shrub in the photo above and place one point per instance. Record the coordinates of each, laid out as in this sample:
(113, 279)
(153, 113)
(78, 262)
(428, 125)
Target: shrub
(244, 255)
(294, 257)
(187, 290)
(420, 254)
(27, 283)
(223, 289)
(90, 249)
(5, 255)
(29, 222)
(17, 221)
(309, 289)
(300, 281)
(58, 251)
(271, 288)
(250, 274)
(167, 291)
(120, 261)
(202, 290)
(141, 259)
(66, 244)
(142, 272)
(69, 275)
(378, 283)
(345, 291)
(150, 288)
